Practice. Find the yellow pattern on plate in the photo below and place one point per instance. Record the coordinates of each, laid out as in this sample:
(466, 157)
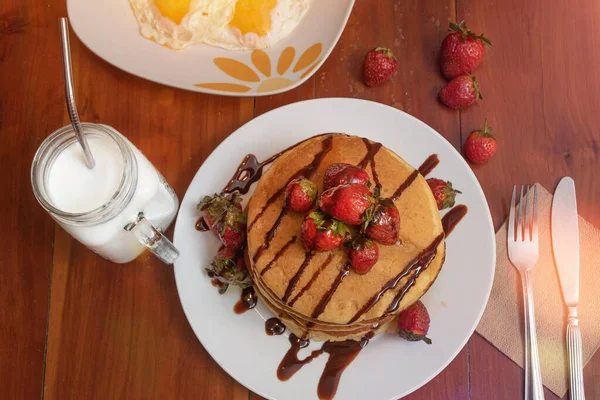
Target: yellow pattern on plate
(261, 61)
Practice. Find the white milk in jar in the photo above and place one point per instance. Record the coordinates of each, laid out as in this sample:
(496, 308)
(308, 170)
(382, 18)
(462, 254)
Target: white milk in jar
(102, 207)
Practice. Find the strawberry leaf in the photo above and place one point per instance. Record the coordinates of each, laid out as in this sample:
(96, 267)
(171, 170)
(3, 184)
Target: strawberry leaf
(367, 218)
(309, 188)
(223, 288)
(466, 33)
(476, 87)
(485, 40)
(377, 192)
(387, 52)
(339, 228)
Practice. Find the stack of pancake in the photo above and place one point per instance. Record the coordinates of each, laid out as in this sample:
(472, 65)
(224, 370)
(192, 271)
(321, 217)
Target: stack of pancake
(316, 294)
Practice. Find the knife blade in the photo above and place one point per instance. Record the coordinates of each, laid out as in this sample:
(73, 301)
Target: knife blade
(565, 244)
(565, 239)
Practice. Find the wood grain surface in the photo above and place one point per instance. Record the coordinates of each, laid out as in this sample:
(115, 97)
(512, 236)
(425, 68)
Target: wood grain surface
(74, 326)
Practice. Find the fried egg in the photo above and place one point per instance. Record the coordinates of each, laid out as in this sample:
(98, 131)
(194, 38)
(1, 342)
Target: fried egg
(230, 24)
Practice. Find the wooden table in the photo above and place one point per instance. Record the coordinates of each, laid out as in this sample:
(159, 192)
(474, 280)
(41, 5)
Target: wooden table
(74, 326)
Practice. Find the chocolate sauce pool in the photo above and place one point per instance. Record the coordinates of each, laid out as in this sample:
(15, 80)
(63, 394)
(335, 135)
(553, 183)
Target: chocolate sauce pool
(274, 327)
(247, 301)
(341, 354)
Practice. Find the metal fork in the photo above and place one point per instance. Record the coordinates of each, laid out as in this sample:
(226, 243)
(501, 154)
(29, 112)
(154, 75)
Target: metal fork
(523, 251)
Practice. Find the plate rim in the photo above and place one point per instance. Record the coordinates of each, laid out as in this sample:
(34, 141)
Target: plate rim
(198, 89)
(489, 221)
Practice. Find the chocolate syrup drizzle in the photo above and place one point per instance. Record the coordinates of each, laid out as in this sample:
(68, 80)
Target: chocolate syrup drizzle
(270, 235)
(411, 178)
(418, 263)
(422, 263)
(292, 285)
(250, 170)
(327, 296)
(372, 149)
(277, 255)
(341, 354)
(312, 280)
(429, 164)
(453, 217)
(247, 301)
(306, 172)
(274, 327)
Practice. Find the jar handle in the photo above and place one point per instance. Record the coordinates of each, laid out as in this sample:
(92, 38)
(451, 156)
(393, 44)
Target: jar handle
(153, 239)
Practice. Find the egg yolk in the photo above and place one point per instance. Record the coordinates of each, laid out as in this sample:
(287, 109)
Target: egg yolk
(253, 16)
(175, 10)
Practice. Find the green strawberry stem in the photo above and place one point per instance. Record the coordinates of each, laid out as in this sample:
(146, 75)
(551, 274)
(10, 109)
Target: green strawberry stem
(386, 51)
(465, 32)
(476, 88)
(486, 131)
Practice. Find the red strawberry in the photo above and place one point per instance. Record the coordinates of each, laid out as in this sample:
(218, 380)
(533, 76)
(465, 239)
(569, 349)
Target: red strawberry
(480, 145)
(347, 203)
(379, 66)
(460, 92)
(322, 233)
(300, 195)
(229, 268)
(224, 215)
(383, 222)
(462, 51)
(363, 254)
(413, 323)
(227, 253)
(342, 174)
(443, 192)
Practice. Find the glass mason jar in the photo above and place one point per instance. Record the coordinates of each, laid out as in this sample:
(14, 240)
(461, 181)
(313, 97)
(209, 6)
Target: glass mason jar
(117, 209)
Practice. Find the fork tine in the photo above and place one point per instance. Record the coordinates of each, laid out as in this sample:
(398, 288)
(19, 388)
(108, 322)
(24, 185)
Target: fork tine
(520, 217)
(511, 216)
(534, 229)
(527, 221)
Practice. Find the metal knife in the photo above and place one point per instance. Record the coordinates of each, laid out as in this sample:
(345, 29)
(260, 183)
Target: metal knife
(565, 243)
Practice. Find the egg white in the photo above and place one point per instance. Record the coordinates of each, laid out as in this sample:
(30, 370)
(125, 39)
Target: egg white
(207, 21)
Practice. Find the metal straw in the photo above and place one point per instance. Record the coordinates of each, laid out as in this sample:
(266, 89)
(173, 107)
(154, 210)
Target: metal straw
(70, 93)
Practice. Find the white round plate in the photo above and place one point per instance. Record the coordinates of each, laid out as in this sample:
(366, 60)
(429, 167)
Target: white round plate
(110, 29)
(389, 367)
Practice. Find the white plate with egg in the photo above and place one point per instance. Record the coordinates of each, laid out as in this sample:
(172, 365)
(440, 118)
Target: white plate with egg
(291, 41)
(388, 367)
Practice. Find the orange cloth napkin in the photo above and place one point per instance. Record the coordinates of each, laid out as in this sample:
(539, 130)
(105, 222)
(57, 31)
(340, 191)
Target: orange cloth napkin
(502, 322)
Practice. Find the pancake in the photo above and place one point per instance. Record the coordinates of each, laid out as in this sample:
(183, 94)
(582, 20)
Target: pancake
(316, 294)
